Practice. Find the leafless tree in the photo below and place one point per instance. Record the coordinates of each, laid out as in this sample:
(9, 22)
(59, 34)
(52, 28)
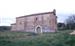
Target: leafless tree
(70, 22)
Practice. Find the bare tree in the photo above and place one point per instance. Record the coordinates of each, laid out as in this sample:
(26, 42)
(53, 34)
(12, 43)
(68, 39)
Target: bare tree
(70, 22)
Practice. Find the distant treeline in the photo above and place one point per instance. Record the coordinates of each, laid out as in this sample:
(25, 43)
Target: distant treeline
(68, 24)
(5, 28)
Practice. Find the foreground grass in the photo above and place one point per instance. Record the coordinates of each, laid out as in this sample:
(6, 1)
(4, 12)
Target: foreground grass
(62, 38)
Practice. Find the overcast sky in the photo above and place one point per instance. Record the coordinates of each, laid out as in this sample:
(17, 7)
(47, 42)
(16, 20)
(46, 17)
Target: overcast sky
(10, 9)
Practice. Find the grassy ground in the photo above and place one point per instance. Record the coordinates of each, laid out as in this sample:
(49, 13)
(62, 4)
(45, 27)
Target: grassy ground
(61, 38)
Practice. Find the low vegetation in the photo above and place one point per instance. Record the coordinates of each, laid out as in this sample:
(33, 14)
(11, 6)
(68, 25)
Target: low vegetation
(5, 28)
(29, 39)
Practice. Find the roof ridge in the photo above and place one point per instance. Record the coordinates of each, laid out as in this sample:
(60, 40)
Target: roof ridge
(34, 14)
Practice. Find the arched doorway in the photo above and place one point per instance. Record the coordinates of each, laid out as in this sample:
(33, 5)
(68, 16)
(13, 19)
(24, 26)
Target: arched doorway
(38, 29)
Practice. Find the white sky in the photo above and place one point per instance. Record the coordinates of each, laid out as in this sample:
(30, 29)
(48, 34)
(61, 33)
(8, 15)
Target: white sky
(10, 9)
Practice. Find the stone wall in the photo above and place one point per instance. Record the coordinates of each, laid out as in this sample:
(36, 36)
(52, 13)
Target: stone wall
(48, 22)
(13, 27)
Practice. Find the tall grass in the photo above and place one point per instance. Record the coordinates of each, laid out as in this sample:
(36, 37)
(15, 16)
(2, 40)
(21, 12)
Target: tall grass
(45, 39)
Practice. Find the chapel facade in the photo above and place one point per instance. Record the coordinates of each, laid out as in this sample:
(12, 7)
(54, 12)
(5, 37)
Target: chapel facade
(38, 23)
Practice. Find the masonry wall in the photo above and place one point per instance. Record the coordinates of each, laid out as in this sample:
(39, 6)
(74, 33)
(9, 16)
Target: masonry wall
(47, 22)
(29, 27)
(20, 24)
(13, 27)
